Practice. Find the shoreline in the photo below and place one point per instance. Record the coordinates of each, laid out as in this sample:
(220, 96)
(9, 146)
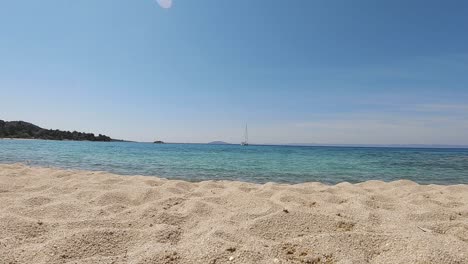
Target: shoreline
(53, 216)
(228, 180)
(72, 170)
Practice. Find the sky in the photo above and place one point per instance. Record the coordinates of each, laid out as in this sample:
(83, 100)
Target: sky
(305, 71)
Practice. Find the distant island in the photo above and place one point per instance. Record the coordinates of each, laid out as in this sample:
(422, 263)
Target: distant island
(21, 129)
(158, 142)
(219, 143)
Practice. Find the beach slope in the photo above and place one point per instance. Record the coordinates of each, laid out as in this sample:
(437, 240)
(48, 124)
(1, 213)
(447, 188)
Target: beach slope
(66, 216)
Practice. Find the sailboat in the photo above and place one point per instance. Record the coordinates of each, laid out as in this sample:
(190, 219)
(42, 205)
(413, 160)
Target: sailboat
(246, 137)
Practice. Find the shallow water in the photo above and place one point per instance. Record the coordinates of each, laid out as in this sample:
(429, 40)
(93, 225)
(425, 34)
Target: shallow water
(291, 164)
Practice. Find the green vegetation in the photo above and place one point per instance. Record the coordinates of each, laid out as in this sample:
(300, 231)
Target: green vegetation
(21, 129)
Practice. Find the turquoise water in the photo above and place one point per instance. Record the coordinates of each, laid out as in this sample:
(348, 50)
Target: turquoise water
(260, 164)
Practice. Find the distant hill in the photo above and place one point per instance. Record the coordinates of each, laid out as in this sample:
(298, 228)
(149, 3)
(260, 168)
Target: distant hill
(219, 143)
(21, 129)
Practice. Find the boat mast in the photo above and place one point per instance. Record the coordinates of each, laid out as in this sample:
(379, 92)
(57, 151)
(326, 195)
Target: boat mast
(246, 134)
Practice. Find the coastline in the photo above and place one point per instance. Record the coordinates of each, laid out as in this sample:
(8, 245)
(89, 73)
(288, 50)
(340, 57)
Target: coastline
(53, 215)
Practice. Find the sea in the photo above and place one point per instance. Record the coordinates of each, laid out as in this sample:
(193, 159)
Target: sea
(258, 164)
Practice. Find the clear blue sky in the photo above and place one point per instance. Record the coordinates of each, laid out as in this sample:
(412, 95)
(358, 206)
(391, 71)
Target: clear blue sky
(378, 72)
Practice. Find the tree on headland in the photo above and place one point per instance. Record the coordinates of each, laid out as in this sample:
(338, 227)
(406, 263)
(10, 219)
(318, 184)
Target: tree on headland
(21, 129)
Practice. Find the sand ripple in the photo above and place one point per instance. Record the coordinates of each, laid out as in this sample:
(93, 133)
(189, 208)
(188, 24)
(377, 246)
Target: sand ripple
(66, 216)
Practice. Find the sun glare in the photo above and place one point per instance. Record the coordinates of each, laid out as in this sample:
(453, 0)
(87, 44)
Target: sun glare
(166, 4)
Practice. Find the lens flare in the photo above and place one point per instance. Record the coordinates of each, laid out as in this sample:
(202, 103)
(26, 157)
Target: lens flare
(165, 3)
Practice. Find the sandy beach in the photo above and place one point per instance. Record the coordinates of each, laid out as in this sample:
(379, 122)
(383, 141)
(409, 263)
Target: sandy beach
(65, 216)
